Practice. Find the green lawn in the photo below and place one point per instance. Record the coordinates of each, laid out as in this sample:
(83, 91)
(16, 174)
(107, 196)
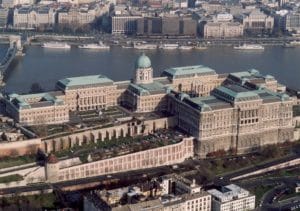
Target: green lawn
(11, 178)
(34, 202)
(260, 191)
(15, 161)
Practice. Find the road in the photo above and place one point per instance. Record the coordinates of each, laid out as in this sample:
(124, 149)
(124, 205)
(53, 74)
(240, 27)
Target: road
(132, 177)
(269, 200)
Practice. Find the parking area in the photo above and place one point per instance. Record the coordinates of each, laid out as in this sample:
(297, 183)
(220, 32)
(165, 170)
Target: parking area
(116, 147)
(80, 120)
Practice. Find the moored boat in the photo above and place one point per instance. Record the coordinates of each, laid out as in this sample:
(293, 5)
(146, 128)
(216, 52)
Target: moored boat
(249, 47)
(169, 46)
(295, 43)
(99, 46)
(145, 46)
(185, 47)
(56, 45)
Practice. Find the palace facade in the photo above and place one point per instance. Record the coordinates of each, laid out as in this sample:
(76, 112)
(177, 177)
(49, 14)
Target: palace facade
(238, 111)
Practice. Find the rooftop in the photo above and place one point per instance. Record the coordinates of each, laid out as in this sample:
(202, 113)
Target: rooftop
(235, 93)
(84, 81)
(34, 100)
(229, 193)
(207, 103)
(147, 89)
(188, 71)
(253, 76)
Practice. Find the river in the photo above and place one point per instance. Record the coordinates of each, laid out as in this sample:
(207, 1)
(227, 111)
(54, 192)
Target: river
(46, 66)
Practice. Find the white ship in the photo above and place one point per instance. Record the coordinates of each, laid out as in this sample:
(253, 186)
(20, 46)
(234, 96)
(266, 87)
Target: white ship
(295, 43)
(57, 45)
(126, 46)
(169, 46)
(99, 46)
(145, 46)
(200, 46)
(249, 47)
(288, 45)
(185, 47)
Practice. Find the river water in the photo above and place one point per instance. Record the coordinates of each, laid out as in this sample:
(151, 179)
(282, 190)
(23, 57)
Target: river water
(46, 66)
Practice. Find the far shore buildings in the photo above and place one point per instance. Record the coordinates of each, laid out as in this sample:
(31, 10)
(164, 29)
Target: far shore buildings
(79, 16)
(47, 16)
(257, 21)
(125, 21)
(237, 111)
(33, 17)
(172, 25)
(292, 22)
(223, 26)
(4, 12)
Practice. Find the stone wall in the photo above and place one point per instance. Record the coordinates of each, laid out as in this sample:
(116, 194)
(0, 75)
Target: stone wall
(270, 168)
(167, 155)
(245, 143)
(19, 148)
(122, 130)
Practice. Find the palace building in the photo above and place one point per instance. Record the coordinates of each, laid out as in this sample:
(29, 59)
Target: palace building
(238, 111)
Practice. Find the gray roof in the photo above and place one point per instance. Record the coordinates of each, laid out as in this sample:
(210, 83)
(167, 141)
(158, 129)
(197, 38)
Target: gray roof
(251, 76)
(207, 103)
(188, 71)
(235, 93)
(34, 100)
(84, 81)
(148, 89)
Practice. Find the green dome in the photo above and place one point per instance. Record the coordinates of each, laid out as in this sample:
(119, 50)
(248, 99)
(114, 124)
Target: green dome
(143, 62)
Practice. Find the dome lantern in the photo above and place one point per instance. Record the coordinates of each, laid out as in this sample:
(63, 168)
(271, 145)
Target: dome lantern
(142, 62)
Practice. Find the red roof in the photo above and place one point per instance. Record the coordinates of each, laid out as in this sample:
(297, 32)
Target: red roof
(52, 159)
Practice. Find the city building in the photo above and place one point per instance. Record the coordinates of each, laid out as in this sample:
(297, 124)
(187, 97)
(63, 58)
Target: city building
(13, 3)
(280, 20)
(183, 200)
(149, 26)
(180, 4)
(282, 3)
(74, 2)
(245, 112)
(33, 17)
(4, 12)
(257, 22)
(170, 25)
(222, 26)
(223, 30)
(167, 26)
(292, 22)
(78, 16)
(124, 24)
(145, 94)
(212, 7)
(8, 3)
(41, 108)
(231, 198)
(297, 187)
